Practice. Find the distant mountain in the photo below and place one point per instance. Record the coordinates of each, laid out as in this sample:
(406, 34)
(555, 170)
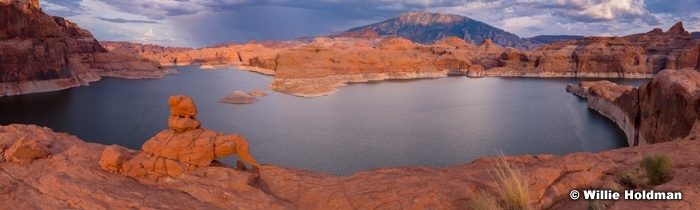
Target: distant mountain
(426, 28)
(695, 34)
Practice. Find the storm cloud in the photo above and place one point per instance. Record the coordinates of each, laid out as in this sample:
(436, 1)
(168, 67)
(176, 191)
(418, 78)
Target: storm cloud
(122, 20)
(200, 23)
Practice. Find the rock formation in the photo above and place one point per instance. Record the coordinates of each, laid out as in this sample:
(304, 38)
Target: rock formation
(311, 67)
(662, 110)
(257, 93)
(71, 178)
(182, 114)
(427, 28)
(317, 69)
(238, 97)
(184, 148)
(43, 53)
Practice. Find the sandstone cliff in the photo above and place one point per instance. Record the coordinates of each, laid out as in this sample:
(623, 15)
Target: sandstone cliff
(43, 53)
(255, 56)
(662, 110)
(326, 63)
(315, 67)
(633, 56)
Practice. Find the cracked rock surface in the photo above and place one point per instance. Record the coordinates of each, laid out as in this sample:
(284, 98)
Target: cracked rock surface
(72, 178)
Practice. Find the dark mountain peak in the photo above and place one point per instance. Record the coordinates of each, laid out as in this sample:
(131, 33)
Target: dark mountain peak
(427, 28)
(429, 18)
(678, 29)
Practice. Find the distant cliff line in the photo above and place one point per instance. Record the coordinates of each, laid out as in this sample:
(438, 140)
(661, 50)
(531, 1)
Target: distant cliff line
(315, 67)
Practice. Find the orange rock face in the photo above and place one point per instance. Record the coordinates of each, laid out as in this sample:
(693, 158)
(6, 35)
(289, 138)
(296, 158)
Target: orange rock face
(316, 66)
(43, 53)
(71, 178)
(182, 114)
(183, 106)
(185, 148)
(662, 110)
(25, 150)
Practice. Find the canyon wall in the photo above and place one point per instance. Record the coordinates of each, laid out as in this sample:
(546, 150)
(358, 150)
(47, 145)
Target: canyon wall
(316, 66)
(663, 110)
(42, 53)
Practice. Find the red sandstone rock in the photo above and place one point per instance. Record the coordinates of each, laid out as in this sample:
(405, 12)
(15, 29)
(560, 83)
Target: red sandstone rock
(25, 150)
(185, 148)
(182, 114)
(183, 106)
(669, 105)
(70, 178)
(43, 53)
(181, 124)
(663, 110)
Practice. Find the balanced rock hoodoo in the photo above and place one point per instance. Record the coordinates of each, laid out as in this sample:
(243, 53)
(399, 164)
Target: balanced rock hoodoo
(184, 148)
(182, 112)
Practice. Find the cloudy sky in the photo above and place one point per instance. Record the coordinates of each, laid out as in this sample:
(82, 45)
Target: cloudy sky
(198, 23)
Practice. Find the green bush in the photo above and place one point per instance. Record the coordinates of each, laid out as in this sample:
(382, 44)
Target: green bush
(652, 170)
(657, 168)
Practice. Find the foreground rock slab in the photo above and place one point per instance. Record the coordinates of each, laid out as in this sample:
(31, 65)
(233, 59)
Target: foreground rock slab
(72, 178)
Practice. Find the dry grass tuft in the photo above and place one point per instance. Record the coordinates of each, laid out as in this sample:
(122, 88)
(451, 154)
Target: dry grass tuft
(513, 187)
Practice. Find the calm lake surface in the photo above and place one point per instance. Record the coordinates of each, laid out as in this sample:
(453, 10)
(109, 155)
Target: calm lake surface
(430, 122)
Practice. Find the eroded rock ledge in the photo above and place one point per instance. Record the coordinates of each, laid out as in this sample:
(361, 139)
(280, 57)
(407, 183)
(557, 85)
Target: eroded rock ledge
(70, 177)
(176, 169)
(662, 110)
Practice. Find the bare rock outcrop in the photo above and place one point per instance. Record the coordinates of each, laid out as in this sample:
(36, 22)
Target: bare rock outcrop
(25, 150)
(70, 178)
(182, 114)
(319, 68)
(662, 110)
(43, 53)
(184, 148)
(238, 97)
(668, 106)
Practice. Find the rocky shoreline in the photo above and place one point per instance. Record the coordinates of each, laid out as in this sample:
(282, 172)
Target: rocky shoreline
(605, 105)
(661, 110)
(42, 53)
(58, 170)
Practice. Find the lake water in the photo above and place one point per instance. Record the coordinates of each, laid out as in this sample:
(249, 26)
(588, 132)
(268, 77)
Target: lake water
(430, 122)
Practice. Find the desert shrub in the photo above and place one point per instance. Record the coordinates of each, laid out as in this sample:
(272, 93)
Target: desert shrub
(513, 187)
(657, 167)
(652, 170)
(632, 178)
